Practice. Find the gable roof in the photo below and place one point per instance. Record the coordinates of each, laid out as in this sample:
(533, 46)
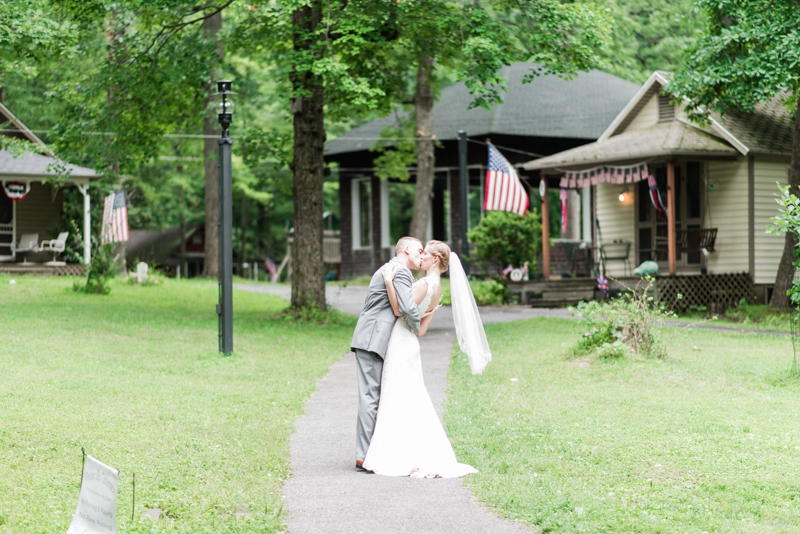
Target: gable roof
(22, 130)
(549, 106)
(674, 138)
(767, 129)
(30, 163)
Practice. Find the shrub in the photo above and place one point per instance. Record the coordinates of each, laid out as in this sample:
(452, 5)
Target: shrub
(99, 272)
(503, 238)
(486, 292)
(632, 321)
(757, 313)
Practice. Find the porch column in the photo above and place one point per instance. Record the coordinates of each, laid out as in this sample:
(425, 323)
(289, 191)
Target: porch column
(671, 245)
(586, 200)
(545, 232)
(87, 223)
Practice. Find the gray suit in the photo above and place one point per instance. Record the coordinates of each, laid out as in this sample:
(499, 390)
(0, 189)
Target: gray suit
(370, 340)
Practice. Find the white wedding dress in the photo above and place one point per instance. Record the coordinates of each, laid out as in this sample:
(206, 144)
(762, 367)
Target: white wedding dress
(409, 439)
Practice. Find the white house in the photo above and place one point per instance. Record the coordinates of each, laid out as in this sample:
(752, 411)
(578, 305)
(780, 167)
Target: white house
(719, 177)
(41, 208)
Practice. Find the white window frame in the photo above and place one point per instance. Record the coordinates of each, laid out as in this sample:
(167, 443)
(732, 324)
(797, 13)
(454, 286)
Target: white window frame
(355, 215)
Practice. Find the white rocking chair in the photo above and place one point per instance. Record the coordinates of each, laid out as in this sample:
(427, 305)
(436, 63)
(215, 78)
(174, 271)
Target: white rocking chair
(56, 246)
(27, 243)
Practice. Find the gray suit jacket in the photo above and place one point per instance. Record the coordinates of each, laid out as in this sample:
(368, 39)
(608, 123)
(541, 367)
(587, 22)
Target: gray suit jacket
(377, 318)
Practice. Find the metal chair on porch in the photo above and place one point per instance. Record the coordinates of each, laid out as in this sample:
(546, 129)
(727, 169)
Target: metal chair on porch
(617, 250)
(56, 246)
(26, 243)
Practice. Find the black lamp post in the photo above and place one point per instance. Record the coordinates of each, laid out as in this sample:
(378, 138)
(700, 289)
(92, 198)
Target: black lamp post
(225, 222)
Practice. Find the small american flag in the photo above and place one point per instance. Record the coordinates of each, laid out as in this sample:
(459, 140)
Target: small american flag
(115, 218)
(504, 191)
(269, 264)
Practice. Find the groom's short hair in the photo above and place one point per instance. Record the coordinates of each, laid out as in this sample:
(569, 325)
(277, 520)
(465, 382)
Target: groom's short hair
(405, 242)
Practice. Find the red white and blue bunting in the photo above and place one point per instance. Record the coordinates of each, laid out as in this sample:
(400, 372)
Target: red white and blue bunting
(16, 190)
(609, 175)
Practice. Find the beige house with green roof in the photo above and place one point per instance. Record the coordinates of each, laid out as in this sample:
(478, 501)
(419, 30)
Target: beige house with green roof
(723, 174)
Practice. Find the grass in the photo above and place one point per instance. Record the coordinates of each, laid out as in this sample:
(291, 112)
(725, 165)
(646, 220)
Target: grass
(706, 440)
(136, 379)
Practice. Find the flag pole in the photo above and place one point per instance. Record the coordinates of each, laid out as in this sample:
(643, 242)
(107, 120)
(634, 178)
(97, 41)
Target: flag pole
(463, 182)
(545, 229)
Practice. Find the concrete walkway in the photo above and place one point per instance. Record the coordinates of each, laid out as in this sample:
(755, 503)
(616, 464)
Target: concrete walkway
(326, 495)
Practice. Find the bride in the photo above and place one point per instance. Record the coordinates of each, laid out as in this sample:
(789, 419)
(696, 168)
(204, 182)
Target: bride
(409, 439)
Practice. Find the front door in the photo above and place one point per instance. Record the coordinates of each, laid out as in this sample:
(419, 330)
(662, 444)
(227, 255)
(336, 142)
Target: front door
(652, 231)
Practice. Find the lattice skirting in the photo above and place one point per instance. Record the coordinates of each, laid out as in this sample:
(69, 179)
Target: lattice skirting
(715, 291)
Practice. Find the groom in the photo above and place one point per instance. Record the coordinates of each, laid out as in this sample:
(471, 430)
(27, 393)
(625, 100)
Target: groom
(373, 330)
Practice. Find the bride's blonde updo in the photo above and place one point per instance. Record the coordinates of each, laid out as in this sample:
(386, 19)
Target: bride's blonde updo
(440, 250)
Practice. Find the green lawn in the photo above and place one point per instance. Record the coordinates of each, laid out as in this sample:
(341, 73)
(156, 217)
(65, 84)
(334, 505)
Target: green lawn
(707, 440)
(136, 379)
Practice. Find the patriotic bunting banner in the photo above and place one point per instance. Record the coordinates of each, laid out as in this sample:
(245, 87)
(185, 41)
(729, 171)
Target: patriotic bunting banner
(504, 190)
(599, 175)
(115, 218)
(16, 190)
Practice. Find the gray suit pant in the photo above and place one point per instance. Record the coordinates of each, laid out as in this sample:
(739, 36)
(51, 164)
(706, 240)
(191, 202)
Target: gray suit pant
(369, 369)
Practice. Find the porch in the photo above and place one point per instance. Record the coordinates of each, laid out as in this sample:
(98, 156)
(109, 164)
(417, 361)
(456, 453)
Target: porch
(40, 269)
(716, 292)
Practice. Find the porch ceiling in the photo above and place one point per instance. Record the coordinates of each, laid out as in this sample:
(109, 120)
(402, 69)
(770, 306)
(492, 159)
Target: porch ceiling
(674, 138)
(35, 167)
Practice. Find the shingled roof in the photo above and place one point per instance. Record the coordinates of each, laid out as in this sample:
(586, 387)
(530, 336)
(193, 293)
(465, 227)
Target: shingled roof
(549, 106)
(30, 164)
(674, 138)
(767, 129)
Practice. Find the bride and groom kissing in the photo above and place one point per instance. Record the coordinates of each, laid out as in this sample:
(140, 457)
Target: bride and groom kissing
(398, 432)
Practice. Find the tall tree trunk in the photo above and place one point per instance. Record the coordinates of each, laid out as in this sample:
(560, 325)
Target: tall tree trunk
(423, 110)
(308, 283)
(785, 276)
(182, 253)
(115, 53)
(245, 224)
(211, 27)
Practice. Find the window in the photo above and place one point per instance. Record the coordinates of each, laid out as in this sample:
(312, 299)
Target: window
(361, 197)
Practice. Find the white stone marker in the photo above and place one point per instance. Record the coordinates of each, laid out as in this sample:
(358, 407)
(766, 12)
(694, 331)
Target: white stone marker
(141, 272)
(97, 504)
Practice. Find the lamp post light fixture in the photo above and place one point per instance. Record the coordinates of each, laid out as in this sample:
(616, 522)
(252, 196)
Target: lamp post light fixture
(225, 221)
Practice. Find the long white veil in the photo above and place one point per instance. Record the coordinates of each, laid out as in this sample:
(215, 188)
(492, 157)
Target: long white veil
(469, 328)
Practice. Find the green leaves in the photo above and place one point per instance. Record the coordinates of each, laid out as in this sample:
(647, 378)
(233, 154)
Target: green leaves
(749, 53)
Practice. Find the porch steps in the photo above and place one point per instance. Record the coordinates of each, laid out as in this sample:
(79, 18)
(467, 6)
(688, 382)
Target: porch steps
(554, 293)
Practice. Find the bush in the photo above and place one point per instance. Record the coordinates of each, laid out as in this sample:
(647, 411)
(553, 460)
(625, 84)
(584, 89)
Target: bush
(486, 292)
(757, 313)
(633, 321)
(102, 269)
(503, 238)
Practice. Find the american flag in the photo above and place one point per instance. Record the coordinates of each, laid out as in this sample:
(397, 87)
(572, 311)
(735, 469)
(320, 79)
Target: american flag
(269, 264)
(504, 191)
(115, 218)
(655, 198)
(563, 197)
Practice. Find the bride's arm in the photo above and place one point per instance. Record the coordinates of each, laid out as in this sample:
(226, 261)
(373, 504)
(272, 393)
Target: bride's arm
(423, 324)
(388, 277)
